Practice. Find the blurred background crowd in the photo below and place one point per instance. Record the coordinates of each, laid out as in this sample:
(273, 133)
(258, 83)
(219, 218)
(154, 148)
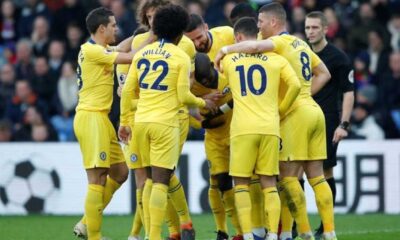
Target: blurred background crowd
(40, 41)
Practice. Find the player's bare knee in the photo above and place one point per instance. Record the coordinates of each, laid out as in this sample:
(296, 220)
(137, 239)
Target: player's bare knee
(289, 169)
(161, 175)
(328, 173)
(224, 182)
(140, 177)
(267, 181)
(241, 180)
(97, 176)
(313, 168)
(119, 172)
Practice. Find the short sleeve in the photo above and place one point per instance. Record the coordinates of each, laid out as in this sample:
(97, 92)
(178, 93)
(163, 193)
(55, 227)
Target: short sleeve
(101, 55)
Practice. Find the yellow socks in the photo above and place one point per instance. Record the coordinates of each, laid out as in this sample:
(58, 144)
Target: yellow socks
(286, 216)
(94, 210)
(324, 199)
(138, 218)
(272, 206)
(146, 203)
(217, 206)
(158, 206)
(257, 203)
(109, 189)
(296, 202)
(229, 204)
(172, 220)
(178, 198)
(243, 207)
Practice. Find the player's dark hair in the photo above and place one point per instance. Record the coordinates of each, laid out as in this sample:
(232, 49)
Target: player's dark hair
(97, 17)
(320, 15)
(170, 21)
(144, 6)
(246, 26)
(204, 70)
(194, 22)
(275, 9)
(242, 10)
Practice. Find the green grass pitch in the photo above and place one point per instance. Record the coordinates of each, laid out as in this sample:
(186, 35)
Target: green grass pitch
(37, 227)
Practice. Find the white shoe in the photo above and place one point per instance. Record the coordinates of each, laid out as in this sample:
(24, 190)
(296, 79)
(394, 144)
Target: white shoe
(80, 230)
(134, 238)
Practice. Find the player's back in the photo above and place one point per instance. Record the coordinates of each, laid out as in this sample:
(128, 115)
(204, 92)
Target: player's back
(158, 66)
(255, 80)
(95, 77)
(219, 37)
(302, 59)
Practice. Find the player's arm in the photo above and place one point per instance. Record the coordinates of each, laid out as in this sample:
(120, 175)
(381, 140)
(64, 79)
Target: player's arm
(252, 46)
(321, 75)
(125, 45)
(288, 75)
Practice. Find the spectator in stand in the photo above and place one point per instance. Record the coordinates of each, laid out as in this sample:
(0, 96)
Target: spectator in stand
(125, 19)
(31, 9)
(335, 28)
(196, 7)
(5, 130)
(358, 34)
(364, 124)
(67, 100)
(298, 17)
(7, 85)
(24, 65)
(8, 24)
(56, 58)
(389, 96)
(42, 82)
(362, 76)
(23, 98)
(40, 36)
(378, 54)
(345, 10)
(72, 11)
(35, 127)
(394, 29)
(74, 41)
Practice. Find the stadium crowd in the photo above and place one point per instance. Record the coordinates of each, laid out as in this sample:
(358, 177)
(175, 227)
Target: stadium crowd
(40, 41)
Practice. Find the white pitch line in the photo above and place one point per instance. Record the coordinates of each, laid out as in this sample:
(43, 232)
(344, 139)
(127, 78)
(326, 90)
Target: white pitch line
(368, 231)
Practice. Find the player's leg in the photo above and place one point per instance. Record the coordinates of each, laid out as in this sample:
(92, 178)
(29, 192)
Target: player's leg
(257, 207)
(93, 135)
(138, 220)
(267, 168)
(244, 150)
(172, 220)
(164, 154)
(214, 194)
(294, 148)
(177, 195)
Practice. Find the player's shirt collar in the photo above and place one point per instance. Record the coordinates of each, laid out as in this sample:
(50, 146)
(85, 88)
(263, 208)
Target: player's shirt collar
(162, 42)
(91, 41)
(211, 38)
(283, 33)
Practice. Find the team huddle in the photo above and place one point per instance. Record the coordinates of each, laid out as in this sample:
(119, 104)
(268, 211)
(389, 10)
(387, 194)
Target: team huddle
(252, 85)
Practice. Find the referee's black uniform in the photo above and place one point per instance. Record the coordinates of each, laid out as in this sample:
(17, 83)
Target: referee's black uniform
(329, 97)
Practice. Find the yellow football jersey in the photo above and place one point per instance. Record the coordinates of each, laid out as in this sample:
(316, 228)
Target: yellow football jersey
(185, 44)
(199, 90)
(302, 59)
(95, 77)
(219, 37)
(161, 71)
(255, 80)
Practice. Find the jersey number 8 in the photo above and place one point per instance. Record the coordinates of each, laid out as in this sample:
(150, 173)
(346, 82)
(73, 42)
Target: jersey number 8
(247, 80)
(306, 68)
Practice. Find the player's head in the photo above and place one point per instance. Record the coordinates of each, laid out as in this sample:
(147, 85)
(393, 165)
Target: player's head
(169, 22)
(245, 29)
(205, 72)
(147, 9)
(243, 9)
(197, 31)
(102, 21)
(316, 26)
(271, 19)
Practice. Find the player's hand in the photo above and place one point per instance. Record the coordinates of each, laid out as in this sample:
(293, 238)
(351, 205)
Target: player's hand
(119, 91)
(124, 134)
(213, 96)
(211, 106)
(339, 134)
(217, 61)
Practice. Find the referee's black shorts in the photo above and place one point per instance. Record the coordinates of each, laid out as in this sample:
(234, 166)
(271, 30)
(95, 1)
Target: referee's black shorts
(331, 122)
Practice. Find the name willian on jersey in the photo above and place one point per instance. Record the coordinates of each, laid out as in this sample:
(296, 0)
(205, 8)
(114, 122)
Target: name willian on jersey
(158, 51)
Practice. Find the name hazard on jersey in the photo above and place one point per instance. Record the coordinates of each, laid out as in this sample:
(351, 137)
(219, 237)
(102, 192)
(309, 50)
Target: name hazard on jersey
(260, 56)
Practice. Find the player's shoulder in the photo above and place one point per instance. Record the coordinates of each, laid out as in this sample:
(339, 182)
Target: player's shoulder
(139, 39)
(91, 48)
(178, 54)
(221, 30)
(187, 45)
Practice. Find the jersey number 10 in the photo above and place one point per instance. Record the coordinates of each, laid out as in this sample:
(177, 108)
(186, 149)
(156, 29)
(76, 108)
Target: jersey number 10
(247, 80)
(157, 83)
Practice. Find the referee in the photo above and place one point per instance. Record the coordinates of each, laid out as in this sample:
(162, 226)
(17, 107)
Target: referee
(329, 97)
